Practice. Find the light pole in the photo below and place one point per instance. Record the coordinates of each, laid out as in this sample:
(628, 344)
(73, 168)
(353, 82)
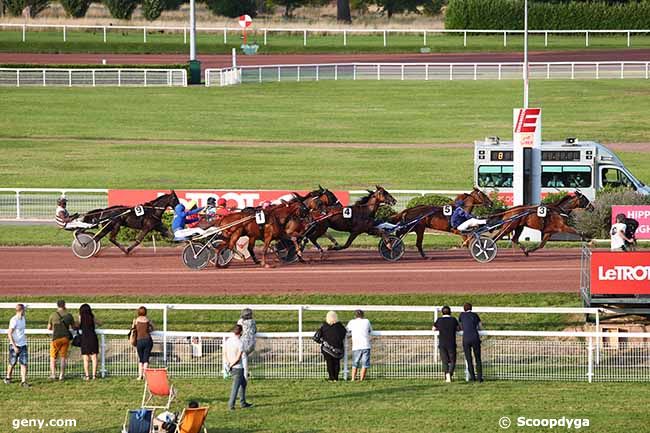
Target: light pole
(525, 53)
(192, 30)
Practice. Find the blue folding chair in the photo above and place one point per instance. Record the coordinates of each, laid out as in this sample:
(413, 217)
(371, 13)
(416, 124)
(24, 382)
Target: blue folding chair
(138, 421)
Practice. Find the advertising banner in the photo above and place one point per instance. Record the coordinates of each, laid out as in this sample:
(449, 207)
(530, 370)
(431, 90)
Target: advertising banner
(639, 213)
(620, 273)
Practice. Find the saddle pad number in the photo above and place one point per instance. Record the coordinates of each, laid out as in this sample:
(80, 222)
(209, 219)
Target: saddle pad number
(260, 218)
(139, 211)
(447, 210)
(541, 211)
(347, 212)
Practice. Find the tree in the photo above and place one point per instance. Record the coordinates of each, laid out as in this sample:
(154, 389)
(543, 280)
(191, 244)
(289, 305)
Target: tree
(232, 8)
(151, 9)
(390, 7)
(121, 9)
(16, 7)
(76, 8)
(343, 11)
(290, 5)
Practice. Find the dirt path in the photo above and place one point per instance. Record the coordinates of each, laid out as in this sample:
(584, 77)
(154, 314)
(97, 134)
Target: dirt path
(55, 271)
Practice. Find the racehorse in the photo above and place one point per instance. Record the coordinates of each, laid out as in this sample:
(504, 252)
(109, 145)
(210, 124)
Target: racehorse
(361, 219)
(329, 206)
(555, 220)
(145, 218)
(435, 218)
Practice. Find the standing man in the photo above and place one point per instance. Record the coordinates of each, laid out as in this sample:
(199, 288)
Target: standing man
(470, 324)
(17, 346)
(447, 326)
(236, 362)
(60, 323)
(619, 239)
(360, 328)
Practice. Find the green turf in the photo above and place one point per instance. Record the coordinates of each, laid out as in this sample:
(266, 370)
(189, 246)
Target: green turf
(45, 121)
(212, 43)
(270, 321)
(316, 406)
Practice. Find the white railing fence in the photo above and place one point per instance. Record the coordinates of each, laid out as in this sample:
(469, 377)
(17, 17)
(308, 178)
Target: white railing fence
(507, 355)
(428, 71)
(40, 203)
(93, 77)
(304, 34)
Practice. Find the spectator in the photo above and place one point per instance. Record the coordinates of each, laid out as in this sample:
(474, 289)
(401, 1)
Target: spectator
(89, 342)
(235, 361)
(144, 343)
(360, 328)
(331, 336)
(617, 234)
(249, 330)
(447, 327)
(470, 324)
(17, 346)
(60, 323)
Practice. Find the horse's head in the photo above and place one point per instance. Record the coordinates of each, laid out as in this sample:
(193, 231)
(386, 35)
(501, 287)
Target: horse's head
(480, 198)
(383, 196)
(583, 201)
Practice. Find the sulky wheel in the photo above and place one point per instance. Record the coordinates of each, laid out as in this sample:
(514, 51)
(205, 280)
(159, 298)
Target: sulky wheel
(393, 251)
(483, 249)
(196, 255)
(285, 250)
(84, 245)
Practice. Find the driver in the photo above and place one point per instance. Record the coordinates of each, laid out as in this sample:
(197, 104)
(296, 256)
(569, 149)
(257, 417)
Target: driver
(462, 220)
(181, 218)
(63, 218)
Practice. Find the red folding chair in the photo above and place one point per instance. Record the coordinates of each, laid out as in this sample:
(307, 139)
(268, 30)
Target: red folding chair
(157, 386)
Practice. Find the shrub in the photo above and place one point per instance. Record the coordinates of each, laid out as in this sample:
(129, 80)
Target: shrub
(498, 206)
(232, 8)
(15, 7)
(75, 8)
(429, 200)
(434, 7)
(121, 9)
(384, 212)
(554, 197)
(596, 224)
(172, 5)
(151, 9)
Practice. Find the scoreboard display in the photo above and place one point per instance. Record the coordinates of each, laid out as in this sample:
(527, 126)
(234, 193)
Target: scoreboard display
(561, 155)
(501, 155)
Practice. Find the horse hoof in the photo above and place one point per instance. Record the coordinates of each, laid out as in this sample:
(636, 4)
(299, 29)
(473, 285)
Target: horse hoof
(267, 266)
(526, 253)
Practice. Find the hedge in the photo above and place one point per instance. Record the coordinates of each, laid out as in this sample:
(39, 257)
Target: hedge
(151, 9)
(76, 8)
(15, 7)
(509, 15)
(121, 9)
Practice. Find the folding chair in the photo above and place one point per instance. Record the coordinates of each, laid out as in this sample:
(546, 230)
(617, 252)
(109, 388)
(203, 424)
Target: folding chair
(193, 420)
(138, 421)
(157, 385)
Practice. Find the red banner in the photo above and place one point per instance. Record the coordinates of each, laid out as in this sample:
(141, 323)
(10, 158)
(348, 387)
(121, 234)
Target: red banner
(620, 273)
(639, 213)
(236, 198)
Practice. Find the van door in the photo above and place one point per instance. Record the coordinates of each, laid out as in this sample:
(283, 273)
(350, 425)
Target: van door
(613, 176)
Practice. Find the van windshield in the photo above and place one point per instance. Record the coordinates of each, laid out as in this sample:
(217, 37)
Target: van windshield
(614, 177)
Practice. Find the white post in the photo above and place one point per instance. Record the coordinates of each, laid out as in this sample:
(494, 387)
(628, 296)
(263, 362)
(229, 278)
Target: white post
(385, 38)
(525, 71)
(102, 358)
(546, 39)
(24, 32)
(144, 34)
(298, 73)
(278, 73)
(548, 71)
(192, 30)
(225, 36)
(300, 342)
(435, 337)
(628, 39)
(259, 72)
(44, 72)
(426, 72)
(590, 360)
(500, 71)
(354, 72)
(18, 205)
(145, 85)
(402, 72)
(336, 72)
(451, 71)
(165, 335)
(65, 34)
(505, 39)
(184, 35)
(317, 72)
(346, 357)
(304, 38)
(17, 77)
(622, 69)
(94, 80)
(425, 38)
(265, 31)
(233, 54)
(119, 77)
(597, 337)
(378, 72)
(646, 70)
(597, 70)
(573, 71)
(465, 39)
(345, 38)
(104, 31)
(69, 77)
(586, 39)
(475, 71)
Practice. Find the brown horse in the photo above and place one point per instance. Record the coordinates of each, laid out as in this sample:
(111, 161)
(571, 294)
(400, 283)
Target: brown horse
(434, 216)
(145, 218)
(361, 219)
(555, 220)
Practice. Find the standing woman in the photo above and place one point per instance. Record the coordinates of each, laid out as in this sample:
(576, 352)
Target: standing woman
(331, 336)
(89, 342)
(144, 343)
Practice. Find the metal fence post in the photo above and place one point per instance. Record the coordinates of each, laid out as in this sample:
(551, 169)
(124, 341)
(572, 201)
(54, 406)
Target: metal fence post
(500, 71)
(316, 72)
(94, 80)
(628, 39)
(279, 73)
(17, 77)
(378, 72)
(102, 353)
(345, 38)
(548, 71)
(465, 39)
(586, 39)
(64, 34)
(18, 205)
(184, 35)
(435, 337)
(354, 72)
(259, 72)
(451, 71)
(590, 360)
(505, 39)
(545, 39)
(298, 73)
(475, 71)
(44, 79)
(265, 31)
(300, 341)
(304, 38)
(69, 77)
(104, 31)
(165, 335)
(346, 355)
(336, 72)
(597, 70)
(385, 38)
(425, 38)
(144, 34)
(119, 77)
(573, 71)
(145, 85)
(646, 70)
(225, 36)
(402, 72)
(622, 70)
(426, 72)
(598, 337)
(24, 32)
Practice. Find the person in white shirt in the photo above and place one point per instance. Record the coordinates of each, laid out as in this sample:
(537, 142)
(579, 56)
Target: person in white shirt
(235, 361)
(361, 329)
(17, 346)
(617, 234)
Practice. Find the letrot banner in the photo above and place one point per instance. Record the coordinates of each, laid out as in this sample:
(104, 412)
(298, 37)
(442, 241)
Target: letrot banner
(639, 213)
(619, 273)
(236, 198)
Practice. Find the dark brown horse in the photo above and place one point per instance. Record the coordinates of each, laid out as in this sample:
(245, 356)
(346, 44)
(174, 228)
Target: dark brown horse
(555, 221)
(145, 218)
(434, 216)
(361, 217)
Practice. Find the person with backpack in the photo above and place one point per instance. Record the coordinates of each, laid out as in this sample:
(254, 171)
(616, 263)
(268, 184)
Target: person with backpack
(60, 323)
(331, 337)
(470, 324)
(447, 326)
(89, 342)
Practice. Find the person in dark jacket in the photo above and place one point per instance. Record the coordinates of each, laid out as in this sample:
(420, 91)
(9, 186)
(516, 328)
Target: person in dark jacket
(447, 327)
(331, 336)
(462, 220)
(470, 324)
(89, 342)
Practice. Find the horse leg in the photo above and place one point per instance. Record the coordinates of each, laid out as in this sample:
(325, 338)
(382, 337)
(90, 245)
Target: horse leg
(296, 244)
(332, 239)
(545, 239)
(347, 244)
(419, 233)
(314, 242)
(251, 249)
(138, 240)
(113, 238)
(515, 239)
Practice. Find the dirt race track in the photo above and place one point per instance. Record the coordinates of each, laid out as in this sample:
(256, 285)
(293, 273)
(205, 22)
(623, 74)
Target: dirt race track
(55, 271)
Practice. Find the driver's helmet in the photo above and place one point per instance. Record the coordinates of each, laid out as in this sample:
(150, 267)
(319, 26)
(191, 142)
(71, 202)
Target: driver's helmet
(265, 204)
(620, 218)
(212, 201)
(62, 201)
(222, 202)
